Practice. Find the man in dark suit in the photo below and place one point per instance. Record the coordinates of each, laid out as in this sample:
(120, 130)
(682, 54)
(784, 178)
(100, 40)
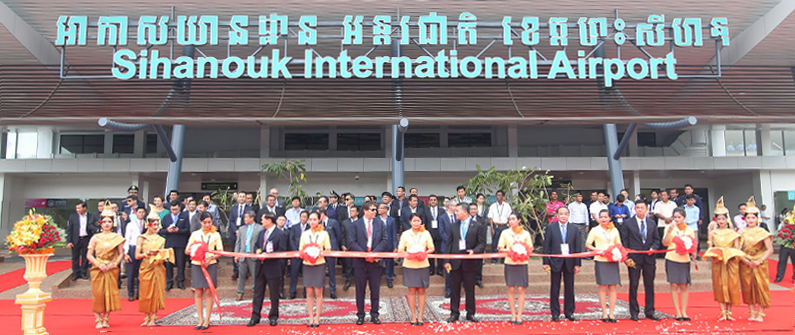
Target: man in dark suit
(331, 210)
(392, 241)
(466, 237)
(562, 238)
(176, 228)
(334, 230)
(292, 244)
(347, 263)
(445, 222)
(432, 215)
(416, 192)
(640, 233)
(251, 200)
(271, 207)
(413, 207)
(399, 202)
(79, 229)
(268, 272)
(368, 234)
(344, 209)
(235, 221)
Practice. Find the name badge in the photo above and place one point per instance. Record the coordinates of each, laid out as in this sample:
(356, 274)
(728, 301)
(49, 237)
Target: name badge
(238, 221)
(434, 224)
(620, 220)
(269, 247)
(462, 245)
(564, 249)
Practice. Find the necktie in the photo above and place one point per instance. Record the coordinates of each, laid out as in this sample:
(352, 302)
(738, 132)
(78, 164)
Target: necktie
(369, 228)
(265, 240)
(451, 219)
(464, 227)
(563, 232)
(240, 210)
(434, 213)
(643, 230)
(248, 239)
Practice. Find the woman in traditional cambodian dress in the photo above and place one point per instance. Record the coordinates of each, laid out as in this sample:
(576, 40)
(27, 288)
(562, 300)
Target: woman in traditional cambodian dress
(725, 253)
(415, 272)
(152, 274)
(315, 274)
(677, 266)
(754, 276)
(105, 252)
(608, 274)
(516, 278)
(201, 288)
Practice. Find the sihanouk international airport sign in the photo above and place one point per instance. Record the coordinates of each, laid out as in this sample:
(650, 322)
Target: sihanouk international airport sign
(269, 31)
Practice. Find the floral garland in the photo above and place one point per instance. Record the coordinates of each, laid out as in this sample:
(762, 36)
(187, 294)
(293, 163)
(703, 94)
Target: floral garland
(34, 234)
(417, 253)
(519, 252)
(310, 252)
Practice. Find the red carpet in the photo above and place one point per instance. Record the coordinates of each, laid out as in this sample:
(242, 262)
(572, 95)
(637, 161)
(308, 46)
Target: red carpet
(74, 317)
(773, 268)
(14, 278)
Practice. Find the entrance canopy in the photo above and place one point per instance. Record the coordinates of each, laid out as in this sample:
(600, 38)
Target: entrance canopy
(41, 83)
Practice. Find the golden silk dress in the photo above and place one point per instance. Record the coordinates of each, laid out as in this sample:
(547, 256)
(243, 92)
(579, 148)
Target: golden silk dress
(726, 268)
(104, 285)
(755, 282)
(152, 274)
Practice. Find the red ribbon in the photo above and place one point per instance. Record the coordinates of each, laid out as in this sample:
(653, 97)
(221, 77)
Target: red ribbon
(361, 254)
(417, 256)
(608, 253)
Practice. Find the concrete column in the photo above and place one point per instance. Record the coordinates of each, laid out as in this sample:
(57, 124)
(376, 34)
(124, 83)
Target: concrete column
(143, 192)
(332, 139)
(263, 186)
(763, 194)
(44, 141)
(763, 143)
(633, 146)
(108, 143)
(265, 142)
(139, 144)
(634, 184)
(513, 142)
(718, 143)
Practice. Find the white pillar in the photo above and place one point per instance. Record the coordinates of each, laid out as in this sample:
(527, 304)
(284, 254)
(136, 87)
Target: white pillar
(718, 140)
(265, 142)
(263, 186)
(763, 140)
(44, 140)
(143, 192)
(139, 144)
(635, 187)
(763, 194)
(513, 142)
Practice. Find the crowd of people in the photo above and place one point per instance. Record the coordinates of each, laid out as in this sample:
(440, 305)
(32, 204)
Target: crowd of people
(151, 243)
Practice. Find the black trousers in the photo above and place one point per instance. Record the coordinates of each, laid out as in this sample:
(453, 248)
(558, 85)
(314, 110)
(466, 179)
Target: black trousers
(295, 268)
(233, 240)
(132, 272)
(369, 273)
(554, 292)
(785, 255)
(285, 270)
(647, 270)
(179, 258)
(79, 259)
(260, 283)
(347, 268)
(458, 277)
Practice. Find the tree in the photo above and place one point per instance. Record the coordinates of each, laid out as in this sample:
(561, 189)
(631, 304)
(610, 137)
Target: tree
(525, 189)
(294, 171)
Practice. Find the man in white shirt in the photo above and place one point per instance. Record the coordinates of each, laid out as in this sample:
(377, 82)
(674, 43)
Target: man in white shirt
(578, 216)
(134, 229)
(293, 214)
(462, 197)
(498, 220)
(664, 211)
(739, 219)
(629, 203)
(598, 206)
(191, 208)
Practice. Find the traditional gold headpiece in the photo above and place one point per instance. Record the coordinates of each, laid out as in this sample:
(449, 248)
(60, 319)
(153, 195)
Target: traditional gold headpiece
(153, 217)
(108, 212)
(750, 206)
(720, 208)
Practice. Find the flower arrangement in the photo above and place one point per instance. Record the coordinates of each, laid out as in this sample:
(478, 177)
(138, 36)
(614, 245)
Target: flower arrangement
(519, 252)
(310, 252)
(785, 236)
(34, 234)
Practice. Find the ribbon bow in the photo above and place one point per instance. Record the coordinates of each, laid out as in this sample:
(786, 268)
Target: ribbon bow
(198, 253)
(519, 252)
(615, 253)
(310, 253)
(417, 253)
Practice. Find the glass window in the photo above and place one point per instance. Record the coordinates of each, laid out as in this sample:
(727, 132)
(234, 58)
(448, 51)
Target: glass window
(646, 139)
(82, 144)
(421, 140)
(299, 141)
(123, 143)
(789, 142)
(735, 143)
(468, 140)
(776, 143)
(750, 143)
(27, 144)
(359, 142)
(151, 143)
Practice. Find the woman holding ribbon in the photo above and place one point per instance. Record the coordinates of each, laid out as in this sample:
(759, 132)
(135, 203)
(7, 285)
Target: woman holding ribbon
(199, 282)
(600, 239)
(313, 242)
(724, 249)
(681, 242)
(517, 242)
(418, 243)
(754, 276)
(152, 274)
(105, 252)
